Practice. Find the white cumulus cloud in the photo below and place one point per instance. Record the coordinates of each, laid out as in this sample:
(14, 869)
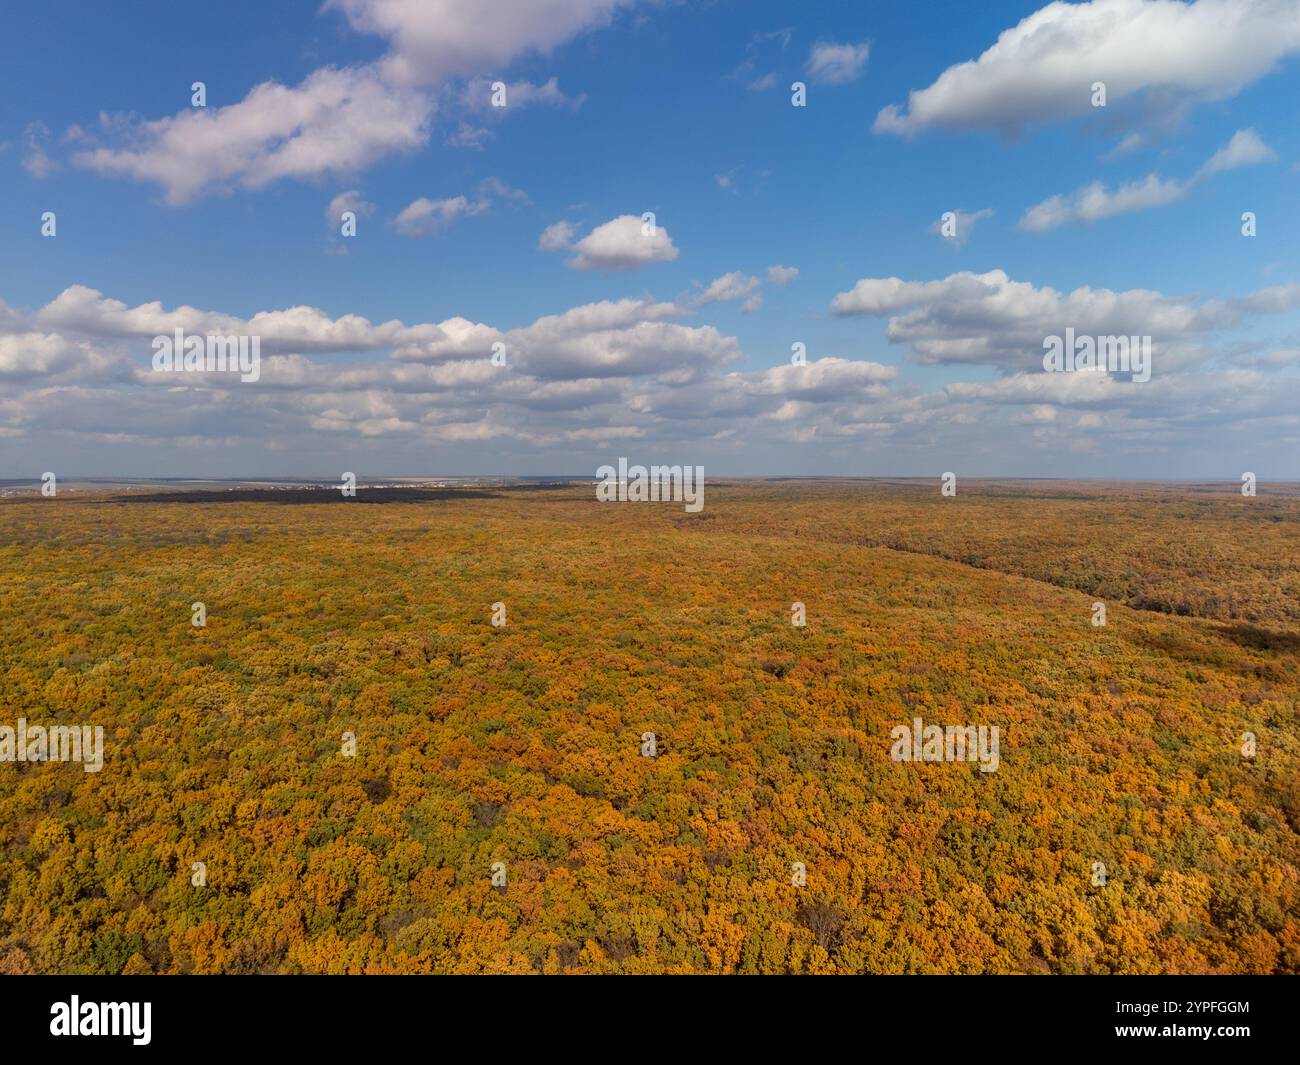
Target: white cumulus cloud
(623, 243)
(1042, 69)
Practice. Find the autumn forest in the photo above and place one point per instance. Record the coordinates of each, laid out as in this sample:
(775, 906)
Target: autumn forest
(516, 730)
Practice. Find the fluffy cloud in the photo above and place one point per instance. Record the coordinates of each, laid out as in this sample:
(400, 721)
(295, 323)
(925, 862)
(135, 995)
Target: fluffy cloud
(86, 312)
(623, 243)
(782, 275)
(1042, 69)
(335, 122)
(816, 395)
(962, 225)
(644, 348)
(37, 162)
(33, 355)
(822, 379)
(612, 338)
(732, 286)
(989, 319)
(836, 64)
(478, 96)
(454, 338)
(424, 217)
(436, 40)
(617, 338)
(607, 314)
(596, 373)
(467, 136)
(338, 121)
(346, 201)
(76, 375)
(1095, 202)
(557, 236)
(1245, 149)
(493, 188)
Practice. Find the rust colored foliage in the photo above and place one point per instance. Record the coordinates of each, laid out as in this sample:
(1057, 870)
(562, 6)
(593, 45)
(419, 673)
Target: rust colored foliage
(521, 743)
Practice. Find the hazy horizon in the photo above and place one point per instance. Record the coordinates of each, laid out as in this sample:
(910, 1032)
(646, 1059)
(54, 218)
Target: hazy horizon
(361, 475)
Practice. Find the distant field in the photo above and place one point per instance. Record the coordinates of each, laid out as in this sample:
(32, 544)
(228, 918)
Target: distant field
(1120, 745)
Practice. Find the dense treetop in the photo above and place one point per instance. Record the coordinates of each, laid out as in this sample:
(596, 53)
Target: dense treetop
(521, 744)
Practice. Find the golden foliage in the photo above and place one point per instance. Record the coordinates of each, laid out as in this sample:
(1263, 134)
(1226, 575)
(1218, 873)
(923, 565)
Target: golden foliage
(521, 744)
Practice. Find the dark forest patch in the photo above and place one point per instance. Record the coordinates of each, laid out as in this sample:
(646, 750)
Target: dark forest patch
(311, 495)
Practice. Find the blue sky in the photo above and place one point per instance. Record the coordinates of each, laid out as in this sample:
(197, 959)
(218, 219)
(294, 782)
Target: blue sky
(168, 215)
